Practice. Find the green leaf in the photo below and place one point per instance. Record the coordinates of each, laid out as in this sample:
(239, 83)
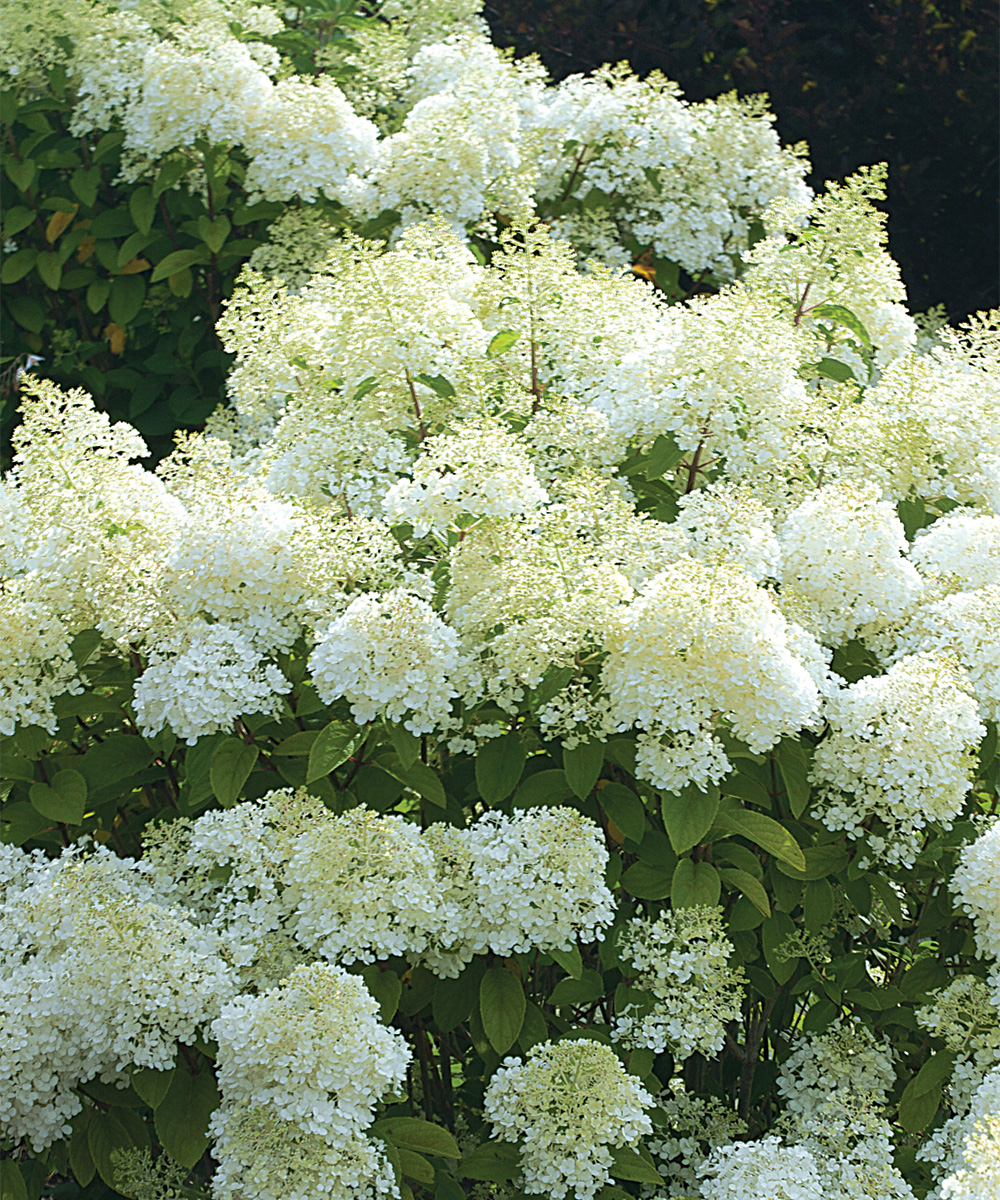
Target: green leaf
(169, 174)
(112, 223)
(817, 904)
(501, 342)
(127, 295)
(423, 1137)
(688, 815)
(81, 1161)
(18, 264)
(544, 787)
(214, 233)
(625, 808)
(494, 1162)
(84, 183)
(535, 1028)
(570, 960)
(176, 261)
(694, 883)
(498, 767)
(578, 991)
(49, 266)
(15, 219)
(116, 1129)
(634, 1166)
(181, 1118)
(334, 746)
(181, 283)
(438, 384)
(21, 174)
(793, 766)
(664, 455)
(64, 799)
(917, 1109)
(833, 368)
(12, 1185)
(232, 762)
(386, 987)
(935, 1071)
(407, 745)
(142, 208)
(844, 316)
(151, 1086)
(27, 312)
(821, 861)
(453, 1000)
(773, 933)
(765, 832)
(582, 766)
(97, 294)
(646, 882)
(501, 1007)
(426, 782)
(115, 759)
(752, 888)
(415, 1167)
(14, 767)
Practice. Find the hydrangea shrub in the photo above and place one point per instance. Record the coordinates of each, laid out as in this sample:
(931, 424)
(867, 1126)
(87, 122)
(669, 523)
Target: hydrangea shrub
(540, 738)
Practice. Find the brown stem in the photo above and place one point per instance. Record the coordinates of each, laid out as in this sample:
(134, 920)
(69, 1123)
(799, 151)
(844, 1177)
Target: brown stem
(416, 405)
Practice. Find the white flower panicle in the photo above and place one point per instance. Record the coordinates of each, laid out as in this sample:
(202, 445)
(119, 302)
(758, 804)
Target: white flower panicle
(566, 1105)
(313, 1050)
(901, 748)
(700, 640)
(828, 1072)
(961, 548)
(976, 883)
(391, 657)
(686, 989)
(762, 1168)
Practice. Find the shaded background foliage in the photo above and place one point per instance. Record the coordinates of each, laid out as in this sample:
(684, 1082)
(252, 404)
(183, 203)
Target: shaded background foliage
(908, 82)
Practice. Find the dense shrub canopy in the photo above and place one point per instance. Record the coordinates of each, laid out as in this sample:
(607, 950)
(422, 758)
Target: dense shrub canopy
(540, 736)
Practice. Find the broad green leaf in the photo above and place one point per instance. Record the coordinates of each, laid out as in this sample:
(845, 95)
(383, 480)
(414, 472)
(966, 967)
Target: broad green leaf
(386, 987)
(21, 174)
(152, 1086)
(454, 999)
(586, 990)
(501, 1007)
(694, 883)
(97, 294)
(84, 183)
(416, 1167)
(935, 1071)
(688, 815)
(407, 745)
(664, 455)
(412, 1133)
(793, 766)
(765, 832)
(14, 767)
(181, 1118)
(334, 746)
(647, 882)
(214, 233)
(535, 1028)
(844, 316)
(426, 782)
(493, 1162)
(142, 208)
(625, 808)
(81, 1161)
(499, 765)
(232, 762)
(298, 745)
(833, 368)
(746, 789)
(582, 766)
(176, 261)
(570, 960)
(12, 1185)
(918, 1109)
(501, 341)
(544, 787)
(634, 1166)
(773, 934)
(63, 800)
(49, 266)
(116, 1129)
(817, 904)
(115, 759)
(438, 385)
(752, 888)
(18, 264)
(820, 861)
(127, 295)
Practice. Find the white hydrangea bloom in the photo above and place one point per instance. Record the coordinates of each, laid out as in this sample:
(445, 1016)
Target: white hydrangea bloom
(702, 640)
(962, 627)
(361, 886)
(978, 1178)
(314, 1050)
(201, 677)
(687, 1128)
(95, 976)
(566, 1105)
(826, 1072)
(843, 561)
(961, 547)
(261, 1155)
(901, 747)
(682, 963)
(728, 522)
(36, 663)
(477, 470)
(854, 1152)
(538, 880)
(324, 146)
(976, 883)
(763, 1168)
(391, 656)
